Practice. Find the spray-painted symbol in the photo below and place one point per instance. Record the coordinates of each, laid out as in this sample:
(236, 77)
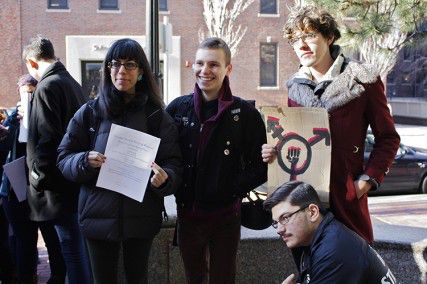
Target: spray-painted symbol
(293, 153)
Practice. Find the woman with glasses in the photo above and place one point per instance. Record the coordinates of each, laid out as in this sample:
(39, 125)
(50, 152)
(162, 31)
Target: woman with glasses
(109, 220)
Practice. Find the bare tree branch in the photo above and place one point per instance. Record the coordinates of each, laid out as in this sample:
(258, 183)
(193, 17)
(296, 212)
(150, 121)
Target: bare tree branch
(220, 18)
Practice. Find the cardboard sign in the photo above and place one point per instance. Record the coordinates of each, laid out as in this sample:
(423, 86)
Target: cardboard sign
(303, 142)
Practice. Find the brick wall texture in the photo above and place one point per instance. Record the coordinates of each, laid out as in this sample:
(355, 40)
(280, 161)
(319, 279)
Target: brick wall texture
(23, 19)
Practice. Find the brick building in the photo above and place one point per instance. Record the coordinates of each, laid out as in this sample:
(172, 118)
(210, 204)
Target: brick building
(407, 84)
(82, 31)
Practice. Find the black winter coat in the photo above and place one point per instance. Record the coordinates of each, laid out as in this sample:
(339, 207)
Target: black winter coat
(57, 97)
(231, 164)
(105, 214)
(13, 148)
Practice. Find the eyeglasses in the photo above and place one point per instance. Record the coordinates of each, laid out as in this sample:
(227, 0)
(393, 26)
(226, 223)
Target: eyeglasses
(283, 220)
(117, 64)
(306, 37)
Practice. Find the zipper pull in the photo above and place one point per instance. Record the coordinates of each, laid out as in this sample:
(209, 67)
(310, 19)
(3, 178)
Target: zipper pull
(201, 127)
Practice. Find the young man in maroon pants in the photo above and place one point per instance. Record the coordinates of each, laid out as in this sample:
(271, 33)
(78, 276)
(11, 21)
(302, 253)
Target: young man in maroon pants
(220, 137)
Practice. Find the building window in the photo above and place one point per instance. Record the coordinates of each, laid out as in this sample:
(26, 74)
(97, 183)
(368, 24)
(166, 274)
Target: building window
(268, 7)
(108, 5)
(57, 4)
(91, 76)
(163, 5)
(268, 65)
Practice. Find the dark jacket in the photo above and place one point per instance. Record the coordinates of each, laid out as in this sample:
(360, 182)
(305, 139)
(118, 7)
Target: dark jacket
(231, 163)
(354, 101)
(13, 147)
(57, 97)
(105, 214)
(338, 255)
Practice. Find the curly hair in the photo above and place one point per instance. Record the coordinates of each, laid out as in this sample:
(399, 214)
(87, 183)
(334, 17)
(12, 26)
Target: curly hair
(311, 18)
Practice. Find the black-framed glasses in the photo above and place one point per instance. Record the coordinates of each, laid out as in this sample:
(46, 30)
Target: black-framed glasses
(128, 65)
(283, 220)
(306, 37)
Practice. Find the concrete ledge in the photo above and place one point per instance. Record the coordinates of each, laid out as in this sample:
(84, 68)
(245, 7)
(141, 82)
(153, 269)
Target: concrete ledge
(409, 110)
(264, 258)
(410, 120)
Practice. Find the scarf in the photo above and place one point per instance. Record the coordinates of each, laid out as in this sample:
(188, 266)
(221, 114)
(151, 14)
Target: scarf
(336, 89)
(225, 100)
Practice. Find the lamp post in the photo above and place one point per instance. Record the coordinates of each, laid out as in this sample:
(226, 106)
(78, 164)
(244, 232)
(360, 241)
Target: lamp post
(152, 38)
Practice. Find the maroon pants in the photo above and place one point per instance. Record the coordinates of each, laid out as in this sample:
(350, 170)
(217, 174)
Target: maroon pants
(208, 248)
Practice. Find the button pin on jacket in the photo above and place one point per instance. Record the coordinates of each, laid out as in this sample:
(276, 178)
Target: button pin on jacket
(185, 121)
(236, 117)
(34, 175)
(356, 149)
(226, 152)
(235, 111)
(228, 142)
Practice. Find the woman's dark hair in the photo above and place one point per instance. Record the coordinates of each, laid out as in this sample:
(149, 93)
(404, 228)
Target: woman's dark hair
(112, 101)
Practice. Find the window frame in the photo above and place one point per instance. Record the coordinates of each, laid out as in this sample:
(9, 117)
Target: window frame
(262, 84)
(167, 6)
(59, 6)
(276, 12)
(108, 8)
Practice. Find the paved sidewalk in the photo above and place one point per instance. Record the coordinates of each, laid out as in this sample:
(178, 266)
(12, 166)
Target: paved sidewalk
(43, 269)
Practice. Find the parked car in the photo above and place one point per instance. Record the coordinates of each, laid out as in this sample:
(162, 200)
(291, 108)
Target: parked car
(408, 174)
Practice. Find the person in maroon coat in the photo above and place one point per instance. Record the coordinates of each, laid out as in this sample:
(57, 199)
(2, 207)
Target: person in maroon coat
(353, 95)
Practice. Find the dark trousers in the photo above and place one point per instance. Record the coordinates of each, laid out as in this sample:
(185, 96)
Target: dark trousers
(73, 249)
(7, 267)
(209, 248)
(25, 232)
(104, 259)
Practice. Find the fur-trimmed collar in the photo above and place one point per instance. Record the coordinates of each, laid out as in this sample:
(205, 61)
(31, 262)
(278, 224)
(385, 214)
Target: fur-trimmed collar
(335, 93)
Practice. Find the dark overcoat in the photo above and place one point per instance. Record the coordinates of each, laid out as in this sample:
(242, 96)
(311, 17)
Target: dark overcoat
(57, 97)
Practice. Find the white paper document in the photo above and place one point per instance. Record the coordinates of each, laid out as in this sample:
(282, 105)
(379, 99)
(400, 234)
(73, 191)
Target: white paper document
(23, 129)
(15, 172)
(128, 165)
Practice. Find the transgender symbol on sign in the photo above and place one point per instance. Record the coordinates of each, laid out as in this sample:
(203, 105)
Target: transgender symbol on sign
(294, 152)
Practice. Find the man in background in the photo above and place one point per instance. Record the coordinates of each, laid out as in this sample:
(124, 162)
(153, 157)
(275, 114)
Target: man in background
(50, 196)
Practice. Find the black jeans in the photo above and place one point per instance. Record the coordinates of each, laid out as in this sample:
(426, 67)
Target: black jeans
(7, 267)
(104, 259)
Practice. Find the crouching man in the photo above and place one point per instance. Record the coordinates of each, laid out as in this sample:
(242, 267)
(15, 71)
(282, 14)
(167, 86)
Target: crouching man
(329, 251)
